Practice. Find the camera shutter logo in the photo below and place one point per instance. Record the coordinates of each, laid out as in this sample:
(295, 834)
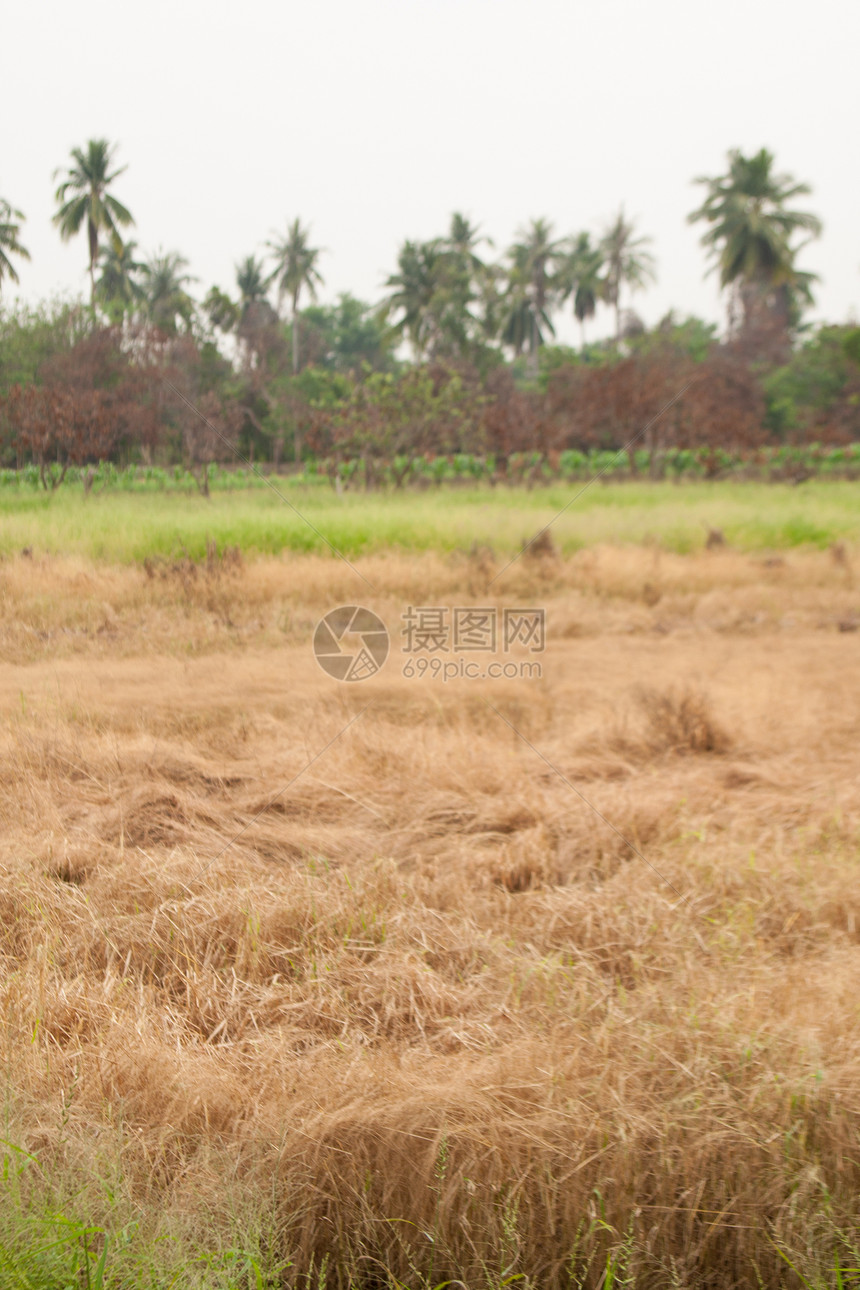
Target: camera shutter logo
(351, 643)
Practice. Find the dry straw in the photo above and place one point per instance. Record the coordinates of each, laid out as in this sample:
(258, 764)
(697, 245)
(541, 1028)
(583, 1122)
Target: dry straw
(429, 1009)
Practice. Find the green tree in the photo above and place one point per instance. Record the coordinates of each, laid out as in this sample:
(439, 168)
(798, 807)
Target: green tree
(411, 303)
(581, 280)
(257, 323)
(812, 392)
(222, 312)
(473, 304)
(252, 282)
(429, 299)
(443, 299)
(463, 239)
(749, 239)
(390, 422)
(10, 240)
(346, 336)
(83, 198)
(167, 303)
(295, 262)
(120, 288)
(628, 263)
(690, 336)
(514, 307)
(32, 336)
(532, 289)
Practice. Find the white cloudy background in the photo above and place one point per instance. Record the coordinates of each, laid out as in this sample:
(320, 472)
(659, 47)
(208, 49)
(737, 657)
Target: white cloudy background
(374, 119)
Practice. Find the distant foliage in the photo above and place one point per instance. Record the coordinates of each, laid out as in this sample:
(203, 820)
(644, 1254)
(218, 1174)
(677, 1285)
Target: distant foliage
(670, 400)
(388, 422)
(59, 428)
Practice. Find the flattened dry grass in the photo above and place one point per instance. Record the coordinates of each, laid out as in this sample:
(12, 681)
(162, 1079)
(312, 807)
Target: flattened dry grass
(435, 1005)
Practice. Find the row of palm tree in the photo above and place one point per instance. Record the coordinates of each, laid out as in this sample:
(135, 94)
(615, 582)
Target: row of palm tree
(292, 267)
(155, 289)
(444, 297)
(158, 288)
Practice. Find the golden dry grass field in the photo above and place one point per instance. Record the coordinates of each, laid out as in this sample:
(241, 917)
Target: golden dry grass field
(573, 999)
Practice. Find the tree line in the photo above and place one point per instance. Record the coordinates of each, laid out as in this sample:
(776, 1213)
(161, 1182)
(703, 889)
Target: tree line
(145, 371)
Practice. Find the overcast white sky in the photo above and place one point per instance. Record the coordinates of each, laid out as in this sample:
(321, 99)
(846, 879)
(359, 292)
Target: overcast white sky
(374, 119)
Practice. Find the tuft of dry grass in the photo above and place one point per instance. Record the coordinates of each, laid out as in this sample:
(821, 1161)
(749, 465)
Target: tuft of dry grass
(540, 547)
(437, 1004)
(682, 721)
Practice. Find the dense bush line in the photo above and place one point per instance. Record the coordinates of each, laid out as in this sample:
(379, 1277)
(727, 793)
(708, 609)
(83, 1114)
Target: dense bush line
(669, 403)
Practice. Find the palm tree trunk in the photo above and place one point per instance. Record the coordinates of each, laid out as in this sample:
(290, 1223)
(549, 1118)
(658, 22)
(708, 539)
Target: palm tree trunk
(92, 234)
(533, 350)
(295, 335)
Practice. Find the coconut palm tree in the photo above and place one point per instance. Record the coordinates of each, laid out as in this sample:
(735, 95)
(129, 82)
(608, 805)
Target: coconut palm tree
(256, 319)
(432, 294)
(119, 287)
(532, 290)
(222, 312)
(472, 281)
(167, 303)
(628, 263)
(252, 281)
(83, 199)
(513, 308)
(581, 279)
(10, 240)
(413, 292)
(749, 238)
(295, 264)
(463, 239)
(521, 324)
